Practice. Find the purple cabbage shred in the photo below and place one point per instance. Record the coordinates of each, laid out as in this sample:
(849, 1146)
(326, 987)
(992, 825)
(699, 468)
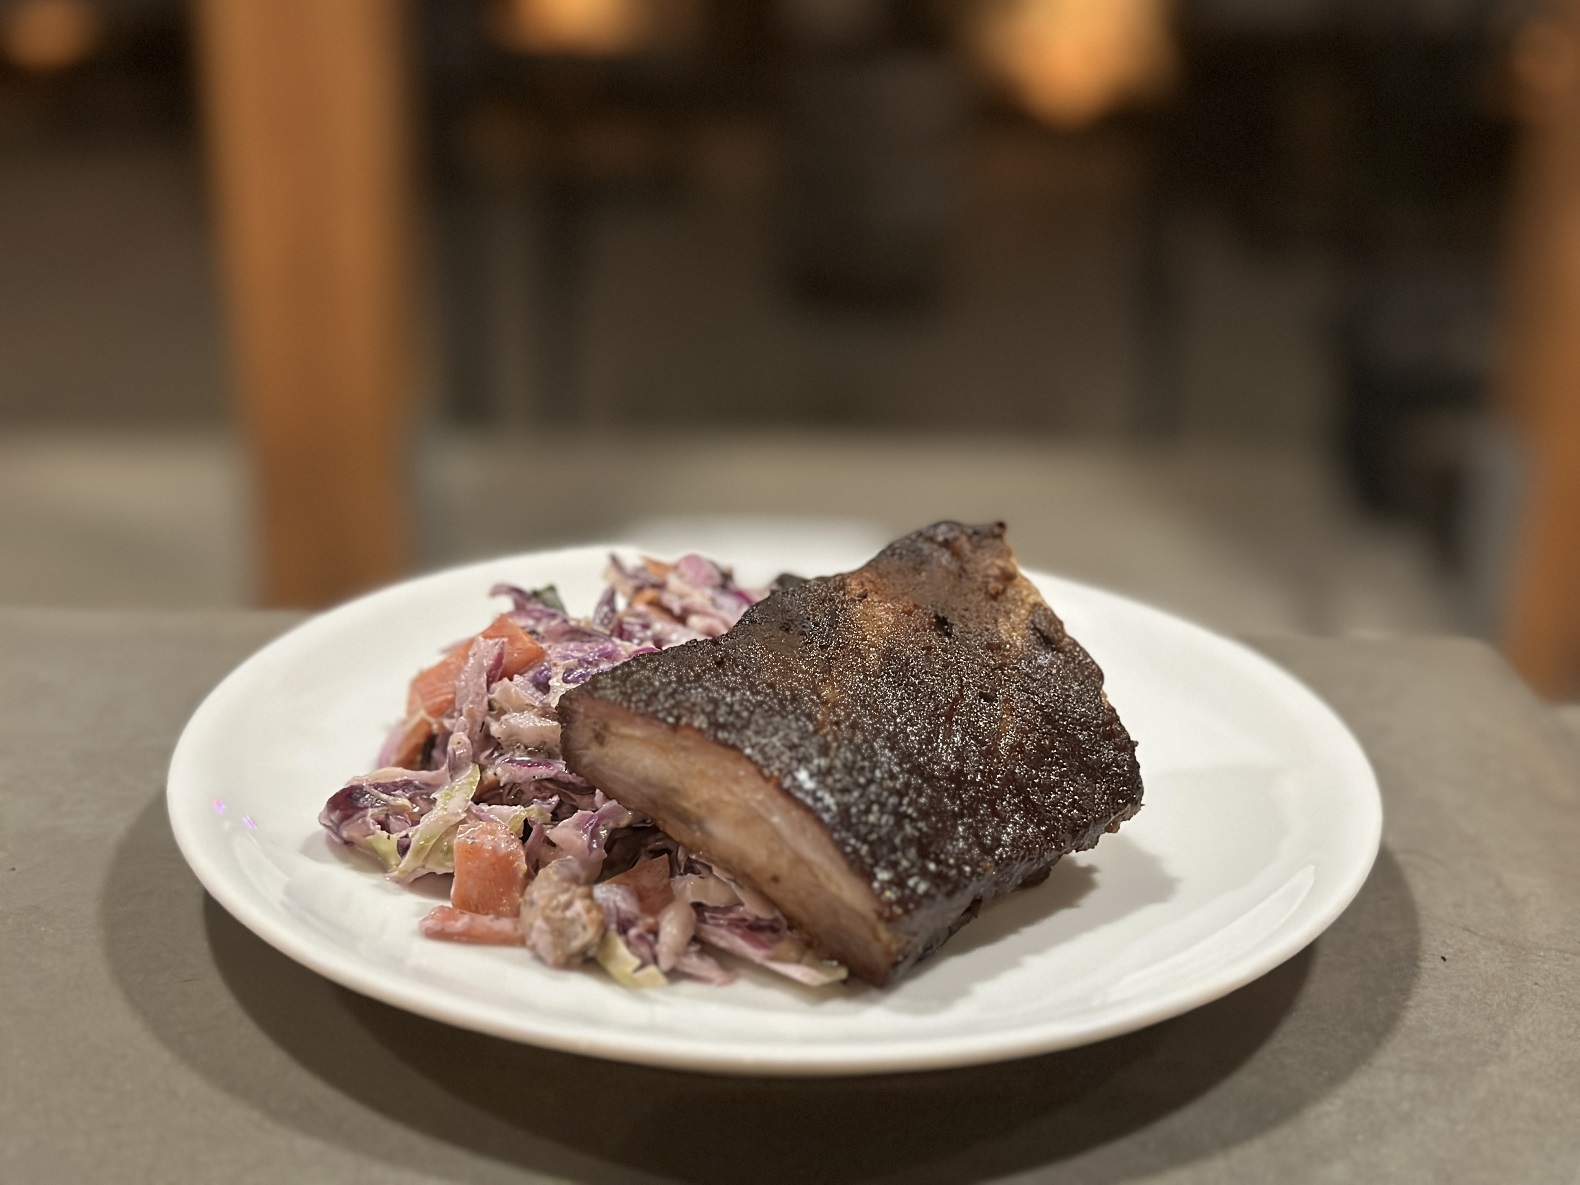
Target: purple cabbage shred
(668, 916)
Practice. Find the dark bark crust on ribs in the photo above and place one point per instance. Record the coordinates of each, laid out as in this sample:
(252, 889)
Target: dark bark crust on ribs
(928, 709)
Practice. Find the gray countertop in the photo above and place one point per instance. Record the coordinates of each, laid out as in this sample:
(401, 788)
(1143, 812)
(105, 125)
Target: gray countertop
(1432, 1034)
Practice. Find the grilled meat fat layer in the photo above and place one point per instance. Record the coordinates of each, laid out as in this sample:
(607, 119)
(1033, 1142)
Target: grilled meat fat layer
(877, 752)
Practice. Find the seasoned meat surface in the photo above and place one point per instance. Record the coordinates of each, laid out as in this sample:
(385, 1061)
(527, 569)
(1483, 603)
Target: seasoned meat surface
(878, 752)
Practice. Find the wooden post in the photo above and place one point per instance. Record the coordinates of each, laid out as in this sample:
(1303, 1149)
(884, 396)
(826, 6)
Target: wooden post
(1541, 374)
(308, 133)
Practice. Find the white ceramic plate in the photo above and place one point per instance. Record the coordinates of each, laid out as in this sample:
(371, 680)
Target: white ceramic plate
(1261, 821)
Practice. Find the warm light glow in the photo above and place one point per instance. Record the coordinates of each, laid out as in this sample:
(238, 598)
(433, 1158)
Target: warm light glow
(1544, 63)
(580, 28)
(47, 36)
(1070, 62)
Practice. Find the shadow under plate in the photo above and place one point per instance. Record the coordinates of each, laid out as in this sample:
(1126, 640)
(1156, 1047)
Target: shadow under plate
(227, 1004)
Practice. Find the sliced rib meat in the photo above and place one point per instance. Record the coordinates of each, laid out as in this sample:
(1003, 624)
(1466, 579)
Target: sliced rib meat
(876, 752)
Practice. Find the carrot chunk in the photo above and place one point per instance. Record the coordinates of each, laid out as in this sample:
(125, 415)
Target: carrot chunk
(490, 869)
(445, 921)
(433, 690)
(521, 652)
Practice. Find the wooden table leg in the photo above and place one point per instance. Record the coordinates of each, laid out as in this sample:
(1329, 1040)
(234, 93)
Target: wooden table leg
(309, 138)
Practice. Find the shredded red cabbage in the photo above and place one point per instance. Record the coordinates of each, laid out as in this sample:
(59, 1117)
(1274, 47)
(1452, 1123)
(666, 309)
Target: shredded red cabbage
(620, 890)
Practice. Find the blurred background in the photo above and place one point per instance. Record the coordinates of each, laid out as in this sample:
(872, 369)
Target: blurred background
(1267, 311)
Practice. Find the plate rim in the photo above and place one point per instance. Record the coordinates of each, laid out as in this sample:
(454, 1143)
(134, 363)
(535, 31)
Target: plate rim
(703, 1054)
